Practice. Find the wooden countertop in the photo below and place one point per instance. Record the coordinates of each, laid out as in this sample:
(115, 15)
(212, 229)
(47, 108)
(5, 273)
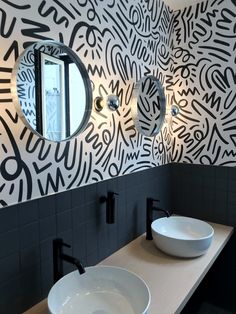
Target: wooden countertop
(171, 280)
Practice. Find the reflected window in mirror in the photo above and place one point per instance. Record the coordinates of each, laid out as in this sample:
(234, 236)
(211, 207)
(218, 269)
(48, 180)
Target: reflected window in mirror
(52, 91)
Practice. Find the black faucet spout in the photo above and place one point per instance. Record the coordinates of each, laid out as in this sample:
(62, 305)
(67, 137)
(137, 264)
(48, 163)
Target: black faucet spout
(74, 261)
(59, 257)
(162, 210)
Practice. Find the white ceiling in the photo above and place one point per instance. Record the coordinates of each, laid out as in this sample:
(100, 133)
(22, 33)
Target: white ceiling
(180, 4)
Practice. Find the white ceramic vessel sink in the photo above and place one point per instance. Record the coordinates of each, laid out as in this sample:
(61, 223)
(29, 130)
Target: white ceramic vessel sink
(182, 236)
(100, 290)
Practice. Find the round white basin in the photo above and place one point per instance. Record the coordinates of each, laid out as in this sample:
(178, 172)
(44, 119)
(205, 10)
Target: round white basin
(182, 236)
(100, 290)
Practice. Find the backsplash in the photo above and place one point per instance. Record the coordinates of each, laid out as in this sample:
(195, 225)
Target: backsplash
(209, 193)
(77, 216)
(204, 84)
(119, 42)
(27, 229)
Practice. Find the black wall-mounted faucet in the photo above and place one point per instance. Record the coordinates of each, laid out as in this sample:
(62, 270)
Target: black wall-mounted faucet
(149, 216)
(59, 257)
(110, 206)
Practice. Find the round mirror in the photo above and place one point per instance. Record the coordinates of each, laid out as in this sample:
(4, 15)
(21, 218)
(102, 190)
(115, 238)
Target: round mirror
(52, 91)
(148, 106)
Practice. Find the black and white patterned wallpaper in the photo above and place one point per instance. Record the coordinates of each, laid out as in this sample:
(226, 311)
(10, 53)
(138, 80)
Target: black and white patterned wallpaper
(204, 84)
(119, 41)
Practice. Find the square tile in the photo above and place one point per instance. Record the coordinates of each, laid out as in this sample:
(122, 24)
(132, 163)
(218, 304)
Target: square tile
(47, 206)
(47, 228)
(63, 201)
(29, 235)
(91, 193)
(9, 243)
(8, 218)
(64, 221)
(10, 267)
(78, 197)
(29, 258)
(28, 212)
(91, 238)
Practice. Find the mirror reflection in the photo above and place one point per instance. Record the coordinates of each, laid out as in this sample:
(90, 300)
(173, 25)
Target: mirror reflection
(52, 91)
(148, 106)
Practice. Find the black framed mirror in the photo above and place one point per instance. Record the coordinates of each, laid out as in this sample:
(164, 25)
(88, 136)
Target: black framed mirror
(52, 91)
(148, 106)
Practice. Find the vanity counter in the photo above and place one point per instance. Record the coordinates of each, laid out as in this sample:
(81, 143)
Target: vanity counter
(171, 280)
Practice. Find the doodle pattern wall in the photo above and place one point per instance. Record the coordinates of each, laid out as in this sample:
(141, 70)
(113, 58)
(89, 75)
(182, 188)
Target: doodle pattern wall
(119, 41)
(204, 84)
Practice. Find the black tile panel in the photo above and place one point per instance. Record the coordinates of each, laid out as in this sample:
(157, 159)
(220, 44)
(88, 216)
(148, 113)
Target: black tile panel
(91, 237)
(29, 235)
(102, 189)
(231, 186)
(79, 240)
(47, 206)
(47, 228)
(78, 215)
(93, 211)
(90, 193)
(209, 193)
(231, 215)
(63, 201)
(122, 182)
(20, 292)
(8, 218)
(28, 212)
(92, 259)
(64, 221)
(46, 253)
(29, 258)
(46, 277)
(9, 243)
(10, 267)
(113, 185)
(77, 197)
(232, 198)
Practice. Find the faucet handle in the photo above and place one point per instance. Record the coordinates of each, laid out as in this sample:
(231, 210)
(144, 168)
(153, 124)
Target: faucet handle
(112, 193)
(65, 244)
(59, 243)
(150, 199)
